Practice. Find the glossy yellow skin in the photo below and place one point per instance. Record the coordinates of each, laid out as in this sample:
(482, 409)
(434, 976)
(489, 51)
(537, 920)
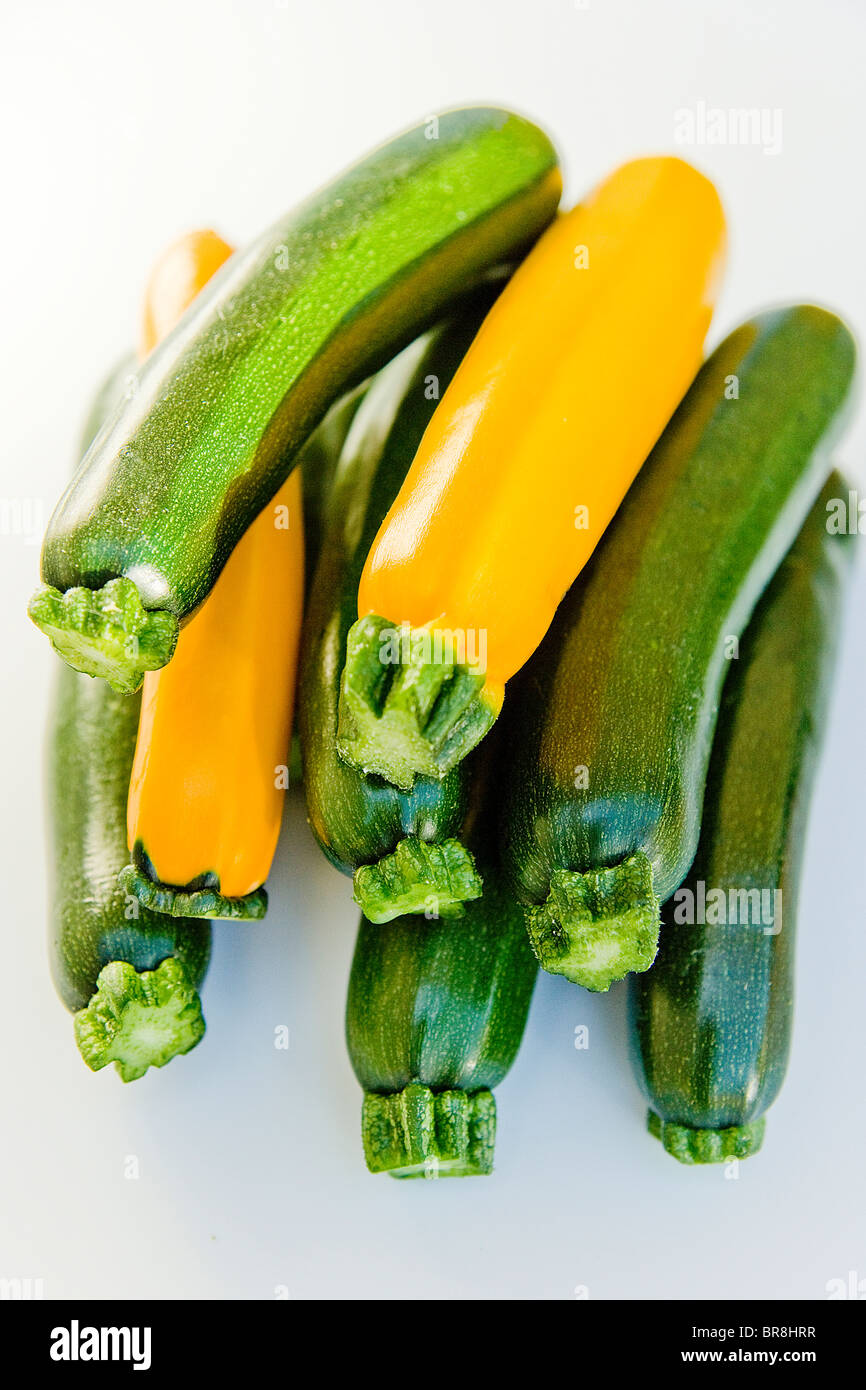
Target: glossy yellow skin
(175, 280)
(572, 377)
(208, 781)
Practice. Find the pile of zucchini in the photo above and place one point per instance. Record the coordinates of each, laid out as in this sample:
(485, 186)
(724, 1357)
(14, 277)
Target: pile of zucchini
(619, 787)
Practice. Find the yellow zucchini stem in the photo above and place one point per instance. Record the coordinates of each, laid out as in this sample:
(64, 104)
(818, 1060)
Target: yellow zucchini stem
(407, 713)
(202, 900)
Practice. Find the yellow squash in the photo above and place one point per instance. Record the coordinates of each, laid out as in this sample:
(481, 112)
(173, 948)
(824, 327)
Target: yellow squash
(569, 383)
(210, 771)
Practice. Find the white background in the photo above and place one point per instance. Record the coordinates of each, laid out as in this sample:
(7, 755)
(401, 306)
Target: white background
(123, 126)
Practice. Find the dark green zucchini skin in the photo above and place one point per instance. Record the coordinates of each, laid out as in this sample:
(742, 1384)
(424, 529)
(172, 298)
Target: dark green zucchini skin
(435, 1016)
(92, 732)
(324, 297)
(317, 462)
(626, 684)
(90, 748)
(356, 819)
(711, 1021)
(441, 1003)
(318, 465)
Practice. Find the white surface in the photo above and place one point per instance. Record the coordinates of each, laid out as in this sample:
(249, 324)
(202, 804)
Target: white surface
(124, 126)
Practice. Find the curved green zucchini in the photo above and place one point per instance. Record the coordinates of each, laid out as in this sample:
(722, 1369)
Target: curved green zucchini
(130, 976)
(402, 847)
(318, 465)
(613, 719)
(711, 1021)
(435, 1016)
(323, 298)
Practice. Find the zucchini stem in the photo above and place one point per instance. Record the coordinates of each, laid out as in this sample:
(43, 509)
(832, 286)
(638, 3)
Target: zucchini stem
(596, 927)
(199, 899)
(416, 1133)
(436, 879)
(106, 632)
(690, 1145)
(408, 706)
(139, 1020)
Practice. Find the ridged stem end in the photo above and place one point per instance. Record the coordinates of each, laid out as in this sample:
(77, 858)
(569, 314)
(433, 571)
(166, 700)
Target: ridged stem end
(139, 1020)
(689, 1145)
(418, 1133)
(106, 632)
(599, 926)
(208, 902)
(417, 877)
(409, 706)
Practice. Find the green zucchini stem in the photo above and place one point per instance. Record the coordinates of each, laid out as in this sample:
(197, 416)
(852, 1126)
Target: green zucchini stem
(138, 880)
(596, 927)
(416, 1133)
(418, 877)
(408, 706)
(690, 1145)
(139, 1020)
(106, 632)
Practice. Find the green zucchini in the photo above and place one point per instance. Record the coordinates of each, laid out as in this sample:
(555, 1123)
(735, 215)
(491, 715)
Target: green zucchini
(318, 465)
(402, 847)
(612, 721)
(317, 462)
(222, 407)
(711, 1021)
(435, 1016)
(130, 976)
